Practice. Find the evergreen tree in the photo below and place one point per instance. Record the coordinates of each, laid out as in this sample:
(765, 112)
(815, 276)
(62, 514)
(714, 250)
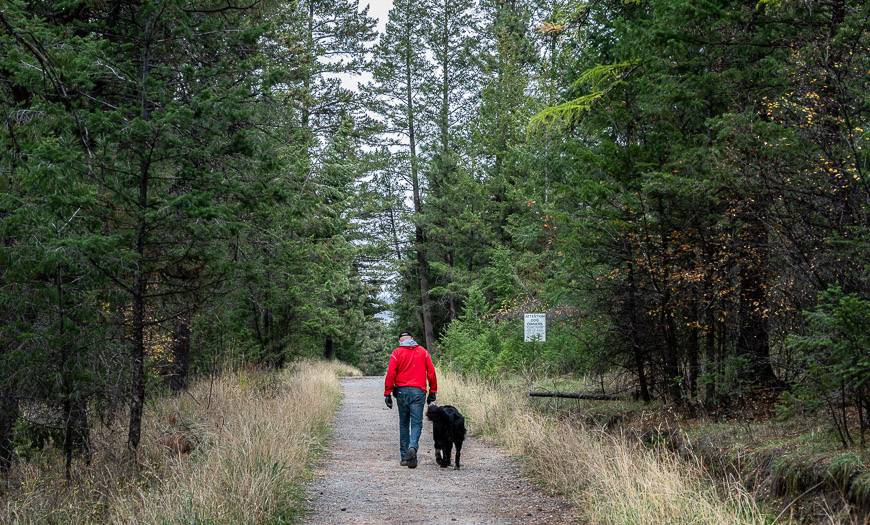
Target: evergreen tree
(505, 103)
(401, 73)
(452, 99)
(157, 188)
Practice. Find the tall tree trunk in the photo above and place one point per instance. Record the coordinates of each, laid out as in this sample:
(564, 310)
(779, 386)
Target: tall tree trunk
(306, 80)
(256, 316)
(693, 349)
(636, 346)
(419, 235)
(8, 416)
(671, 356)
(137, 401)
(395, 233)
(66, 387)
(444, 123)
(752, 339)
(328, 349)
(77, 431)
(710, 358)
(426, 302)
(180, 355)
(451, 299)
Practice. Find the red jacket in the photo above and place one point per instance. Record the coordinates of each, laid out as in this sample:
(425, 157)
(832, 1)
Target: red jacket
(410, 366)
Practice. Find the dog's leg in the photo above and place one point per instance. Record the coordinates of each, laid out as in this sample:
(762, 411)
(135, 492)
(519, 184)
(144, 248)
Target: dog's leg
(440, 441)
(448, 450)
(458, 451)
(444, 459)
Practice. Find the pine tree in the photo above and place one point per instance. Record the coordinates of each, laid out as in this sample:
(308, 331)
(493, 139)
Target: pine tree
(505, 102)
(154, 124)
(401, 74)
(453, 40)
(337, 36)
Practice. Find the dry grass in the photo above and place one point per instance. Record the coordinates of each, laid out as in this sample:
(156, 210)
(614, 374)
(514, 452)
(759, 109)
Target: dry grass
(253, 437)
(610, 480)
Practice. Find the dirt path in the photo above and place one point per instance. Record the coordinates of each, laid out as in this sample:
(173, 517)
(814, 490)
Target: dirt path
(360, 479)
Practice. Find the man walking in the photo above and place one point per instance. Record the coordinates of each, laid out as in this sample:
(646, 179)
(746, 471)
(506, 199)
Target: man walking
(409, 370)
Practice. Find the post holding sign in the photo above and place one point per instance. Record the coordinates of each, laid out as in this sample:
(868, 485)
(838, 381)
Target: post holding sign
(535, 328)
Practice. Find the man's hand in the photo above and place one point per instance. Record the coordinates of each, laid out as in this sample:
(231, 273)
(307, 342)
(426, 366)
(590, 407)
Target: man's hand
(389, 402)
(431, 398)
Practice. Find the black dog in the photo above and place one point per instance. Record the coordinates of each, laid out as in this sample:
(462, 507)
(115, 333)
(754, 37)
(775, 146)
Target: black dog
(448, 429)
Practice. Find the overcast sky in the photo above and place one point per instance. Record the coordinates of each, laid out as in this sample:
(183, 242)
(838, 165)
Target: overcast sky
(378, 9)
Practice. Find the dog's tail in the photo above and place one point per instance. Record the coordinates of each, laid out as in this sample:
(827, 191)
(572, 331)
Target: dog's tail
(460, 420)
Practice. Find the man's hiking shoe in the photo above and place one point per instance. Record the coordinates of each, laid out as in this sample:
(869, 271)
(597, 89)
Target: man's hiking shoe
(403, 463)
(411, 458)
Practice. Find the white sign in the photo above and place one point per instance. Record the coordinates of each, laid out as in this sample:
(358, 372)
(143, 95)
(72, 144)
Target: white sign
(535, 327)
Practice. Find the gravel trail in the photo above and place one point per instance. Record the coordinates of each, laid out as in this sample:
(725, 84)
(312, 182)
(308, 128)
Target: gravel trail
(360, 480)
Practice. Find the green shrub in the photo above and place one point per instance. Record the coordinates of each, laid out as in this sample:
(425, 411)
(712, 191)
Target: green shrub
(835, 364)
(489, 347)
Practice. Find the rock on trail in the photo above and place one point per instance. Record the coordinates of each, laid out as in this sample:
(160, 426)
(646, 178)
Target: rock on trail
(360, 480)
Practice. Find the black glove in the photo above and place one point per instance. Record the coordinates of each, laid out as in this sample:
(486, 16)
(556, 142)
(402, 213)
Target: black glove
(389, 402)
(431, 398)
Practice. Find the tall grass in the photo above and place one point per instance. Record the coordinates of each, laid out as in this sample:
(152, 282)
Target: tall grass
(609, 479)
(253, 436)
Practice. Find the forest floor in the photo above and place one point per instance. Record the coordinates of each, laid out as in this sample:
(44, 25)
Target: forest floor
(360, 479)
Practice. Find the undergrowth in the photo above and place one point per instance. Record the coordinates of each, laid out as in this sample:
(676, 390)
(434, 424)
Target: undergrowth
(234, 449)
(609, 479)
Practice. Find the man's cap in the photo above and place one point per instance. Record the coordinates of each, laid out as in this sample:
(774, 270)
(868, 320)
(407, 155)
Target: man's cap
(403, 334)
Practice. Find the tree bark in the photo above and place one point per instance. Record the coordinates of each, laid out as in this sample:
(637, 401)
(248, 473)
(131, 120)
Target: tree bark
(669, 326)
(394, 230)
(693, 350)
(444, 125)
(77, 432)
(419, 234)
(636, 347)
(137, 400)
(451, 299)
(328, 349)
(445, 87)
(426, 302)
(180, 356)
(752, 340)
(8, 416)
(710, 358)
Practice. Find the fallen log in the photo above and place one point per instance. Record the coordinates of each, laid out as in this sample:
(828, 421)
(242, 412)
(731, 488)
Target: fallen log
(577, 395)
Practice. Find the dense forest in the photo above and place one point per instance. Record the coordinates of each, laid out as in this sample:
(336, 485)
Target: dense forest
(681, 186)
(187, 185)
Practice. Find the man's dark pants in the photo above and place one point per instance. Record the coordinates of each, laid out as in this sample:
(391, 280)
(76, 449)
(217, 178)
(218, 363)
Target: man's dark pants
(410, 401)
